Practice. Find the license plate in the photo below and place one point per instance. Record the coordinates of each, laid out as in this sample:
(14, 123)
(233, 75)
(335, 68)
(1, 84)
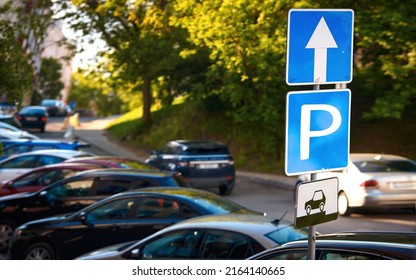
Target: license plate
(31, 119)
(208, 166)
(404, 185)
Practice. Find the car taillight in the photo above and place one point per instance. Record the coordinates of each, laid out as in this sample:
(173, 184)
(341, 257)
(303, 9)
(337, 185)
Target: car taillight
(43, 119)
(19, 118)
(369, 184)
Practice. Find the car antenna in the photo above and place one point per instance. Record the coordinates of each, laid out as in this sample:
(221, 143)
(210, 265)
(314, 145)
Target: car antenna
(277, 221)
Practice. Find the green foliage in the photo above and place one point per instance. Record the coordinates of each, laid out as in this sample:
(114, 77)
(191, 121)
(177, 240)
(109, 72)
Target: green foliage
(18, 25)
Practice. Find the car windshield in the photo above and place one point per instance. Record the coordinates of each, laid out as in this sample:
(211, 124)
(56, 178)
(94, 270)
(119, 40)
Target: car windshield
(286, 234)
(220, 206)
(386, 166)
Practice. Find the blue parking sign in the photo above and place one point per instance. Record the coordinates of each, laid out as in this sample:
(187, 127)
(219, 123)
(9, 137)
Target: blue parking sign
(317, 131)
(319, 46)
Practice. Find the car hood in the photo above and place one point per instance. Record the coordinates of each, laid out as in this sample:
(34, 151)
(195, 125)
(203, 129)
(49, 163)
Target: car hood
(16, 196)
(109, 252)
(49, 220)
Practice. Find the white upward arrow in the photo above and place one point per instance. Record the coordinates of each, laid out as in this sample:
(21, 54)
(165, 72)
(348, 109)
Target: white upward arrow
(321, 40)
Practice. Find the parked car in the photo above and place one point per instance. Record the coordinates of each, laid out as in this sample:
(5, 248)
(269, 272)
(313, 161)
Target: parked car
(348, 246)
(122, 217)
(39, 178)
(15, 165)
(114, 162)
(7, 108)
(373, 181)
(7, 134)
(214, 237)
(203, 164)
(33, 117)
(73, 194)
(18, 146)
(10, 119)
(55, 107)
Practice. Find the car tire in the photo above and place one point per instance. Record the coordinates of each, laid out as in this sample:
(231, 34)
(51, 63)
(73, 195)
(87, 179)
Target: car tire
(6, 232)
(343, 205)
(39, 251)
(224, 190)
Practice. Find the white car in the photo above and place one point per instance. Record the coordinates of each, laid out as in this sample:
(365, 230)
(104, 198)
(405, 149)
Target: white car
(15, 165)
(373, 181)
(8, 131)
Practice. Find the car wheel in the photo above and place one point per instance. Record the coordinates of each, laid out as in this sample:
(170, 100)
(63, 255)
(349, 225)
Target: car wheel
(225, 191)
(308, 209)
(321, 206)
(6, 231)
(39, 251)
(343, 205)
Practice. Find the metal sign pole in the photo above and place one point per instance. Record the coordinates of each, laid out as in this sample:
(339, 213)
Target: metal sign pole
(312, 229)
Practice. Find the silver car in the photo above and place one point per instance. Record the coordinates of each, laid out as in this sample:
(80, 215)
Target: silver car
(374, 181)
(209, 237)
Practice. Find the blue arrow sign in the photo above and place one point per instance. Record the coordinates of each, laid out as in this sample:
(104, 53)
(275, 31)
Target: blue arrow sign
(320, 46)
(317, 131)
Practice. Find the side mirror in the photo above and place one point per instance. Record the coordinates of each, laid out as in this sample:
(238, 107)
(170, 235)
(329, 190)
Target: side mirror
(135, 254)
(82, 216)
(154, 152)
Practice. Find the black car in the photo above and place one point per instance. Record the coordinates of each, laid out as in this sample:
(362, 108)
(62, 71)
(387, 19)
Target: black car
(73, 194)
(203, 164)
(122, 217)
(33, 117)
(348, 246)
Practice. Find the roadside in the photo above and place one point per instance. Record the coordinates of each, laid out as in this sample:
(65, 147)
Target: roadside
(93, 131)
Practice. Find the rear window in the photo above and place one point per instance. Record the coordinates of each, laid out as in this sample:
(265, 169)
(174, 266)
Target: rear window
(33, 111)
(386, 166)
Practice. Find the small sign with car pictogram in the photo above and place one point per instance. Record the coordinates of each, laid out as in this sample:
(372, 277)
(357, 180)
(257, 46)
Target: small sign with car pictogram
(316, 202)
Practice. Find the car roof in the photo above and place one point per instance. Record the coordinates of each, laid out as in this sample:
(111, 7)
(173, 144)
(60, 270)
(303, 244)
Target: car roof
(127, 172)
(375, 156)
(196, 143)
(379, 236)
(45, 141)
(248, 223)
(34, 107)
(60, 152)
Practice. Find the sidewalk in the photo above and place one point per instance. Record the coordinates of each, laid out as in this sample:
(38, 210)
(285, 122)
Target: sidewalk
(94, 133)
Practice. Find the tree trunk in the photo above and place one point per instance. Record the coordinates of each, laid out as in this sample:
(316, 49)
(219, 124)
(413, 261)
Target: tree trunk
(147, 102)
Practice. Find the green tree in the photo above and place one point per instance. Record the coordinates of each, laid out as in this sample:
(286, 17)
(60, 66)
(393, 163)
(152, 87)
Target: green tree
(143, 46)
(50, 83)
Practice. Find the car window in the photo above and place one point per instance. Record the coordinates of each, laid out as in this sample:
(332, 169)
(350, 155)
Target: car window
(220, 244)
(158, 208)
(287, 255)
(341, 255)
(286, 234)
(114, 210)
(386, 166)
(206, 151)
(110, 187)
(177, 244)
(46, 160)
(71, 189)
(16, 150)
(36, 179)
(19, 162)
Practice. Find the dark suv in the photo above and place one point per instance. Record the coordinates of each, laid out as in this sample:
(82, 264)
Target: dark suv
(203, 164)
(74, 193)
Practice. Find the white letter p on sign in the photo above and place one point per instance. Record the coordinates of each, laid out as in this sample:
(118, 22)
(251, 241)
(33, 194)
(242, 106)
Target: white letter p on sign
(305, 125)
